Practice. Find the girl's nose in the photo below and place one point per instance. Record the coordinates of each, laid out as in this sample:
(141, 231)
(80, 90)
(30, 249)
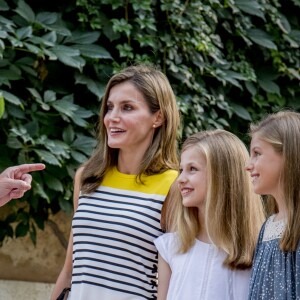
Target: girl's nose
(181, 178)
(248, 165)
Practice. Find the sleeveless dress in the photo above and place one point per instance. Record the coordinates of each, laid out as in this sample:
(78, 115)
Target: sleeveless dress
(275, 274)
(199, 274)
(114, 257)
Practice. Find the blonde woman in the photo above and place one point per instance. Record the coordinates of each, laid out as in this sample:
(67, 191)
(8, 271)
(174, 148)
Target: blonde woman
(214, 218)
(275, 169)
(119, 192)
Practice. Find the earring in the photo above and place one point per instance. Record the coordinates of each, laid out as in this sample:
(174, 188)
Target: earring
(154, 126)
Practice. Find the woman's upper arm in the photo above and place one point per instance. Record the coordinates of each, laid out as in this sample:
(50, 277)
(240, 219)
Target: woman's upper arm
(164, 275)
(77, 187)
(65, 276)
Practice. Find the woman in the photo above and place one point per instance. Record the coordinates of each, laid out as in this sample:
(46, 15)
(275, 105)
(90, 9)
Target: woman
(120, 190)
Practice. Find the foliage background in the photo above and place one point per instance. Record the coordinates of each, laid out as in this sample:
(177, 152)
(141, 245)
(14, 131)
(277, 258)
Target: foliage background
(229, 62)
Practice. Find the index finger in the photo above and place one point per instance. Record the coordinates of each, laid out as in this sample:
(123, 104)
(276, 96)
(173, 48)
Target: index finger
(25, 168)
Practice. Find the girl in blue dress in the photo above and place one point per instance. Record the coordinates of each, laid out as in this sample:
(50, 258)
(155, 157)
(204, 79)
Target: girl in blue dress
(275, 170)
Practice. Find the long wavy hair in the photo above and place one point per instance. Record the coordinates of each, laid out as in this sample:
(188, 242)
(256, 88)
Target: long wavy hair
(233, 212)
(282, 131)
(162, 153)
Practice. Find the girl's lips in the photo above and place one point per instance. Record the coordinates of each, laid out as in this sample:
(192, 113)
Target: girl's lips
(185, 191)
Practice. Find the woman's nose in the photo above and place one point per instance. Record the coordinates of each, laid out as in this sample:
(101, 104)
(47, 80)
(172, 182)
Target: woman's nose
(114, 115)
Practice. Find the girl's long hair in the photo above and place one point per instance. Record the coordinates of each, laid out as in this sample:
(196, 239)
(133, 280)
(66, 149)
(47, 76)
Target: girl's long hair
(282, 131)
(233, 213)
(162, 152)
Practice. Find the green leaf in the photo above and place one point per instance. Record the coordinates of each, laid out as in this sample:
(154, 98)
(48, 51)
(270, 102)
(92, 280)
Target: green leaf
(46, 17)
(32, 234)
(47, 157)
(66, 206)
(25, 11)
(22, 229)
(69, 56)
(24, 32)
(11, 98)
(14, 143)
(3, 6)
(78, 156)
(93, 51)
(68, 134)
(95, 87)
(241, 111)
(9, 74)
(32, 48)
(84, 144)
(86, 38)
(269, 86)
(53, 183)
(65, 106)
(2, 105)
(49, 96)
(38, 190)
(251, 7)
(261, 38)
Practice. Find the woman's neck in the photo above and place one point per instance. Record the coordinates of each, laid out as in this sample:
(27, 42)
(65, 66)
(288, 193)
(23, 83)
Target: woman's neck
(129, 163)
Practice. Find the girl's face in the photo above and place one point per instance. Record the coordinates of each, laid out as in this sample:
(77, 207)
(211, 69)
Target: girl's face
(192, 180)
(128, 121)
(265, 166)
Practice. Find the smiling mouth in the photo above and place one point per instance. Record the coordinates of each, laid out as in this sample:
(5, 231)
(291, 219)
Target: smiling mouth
(116, 130)
(186, 191)
(254, 178)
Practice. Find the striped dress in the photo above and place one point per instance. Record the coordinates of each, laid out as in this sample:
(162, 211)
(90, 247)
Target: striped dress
(114, 257)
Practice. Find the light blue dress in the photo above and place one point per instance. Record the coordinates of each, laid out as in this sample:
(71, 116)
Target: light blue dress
(275, 274)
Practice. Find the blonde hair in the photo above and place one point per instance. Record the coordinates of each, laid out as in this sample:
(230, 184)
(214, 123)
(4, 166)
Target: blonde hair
(282, 131)
(233, 213)
(162, 152)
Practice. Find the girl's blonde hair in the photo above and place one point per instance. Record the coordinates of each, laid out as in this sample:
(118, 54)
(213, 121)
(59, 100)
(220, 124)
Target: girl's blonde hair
(162, 152)
(282, 131)
(233, 213)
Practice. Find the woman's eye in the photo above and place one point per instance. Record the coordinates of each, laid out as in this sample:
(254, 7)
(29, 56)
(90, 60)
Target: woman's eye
(127, 107)
(180, 171)
(193, 169)
(256, 153)
(109, 107)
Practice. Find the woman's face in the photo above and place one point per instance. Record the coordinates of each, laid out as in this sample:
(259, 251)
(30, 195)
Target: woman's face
(128, 120)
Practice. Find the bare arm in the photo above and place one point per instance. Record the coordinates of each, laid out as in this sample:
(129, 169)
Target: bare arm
(65, 276)
(164, 275)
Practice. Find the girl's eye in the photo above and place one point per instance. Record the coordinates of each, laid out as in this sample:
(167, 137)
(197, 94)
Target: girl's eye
(256, 153)
(180, 171)
(193, 169)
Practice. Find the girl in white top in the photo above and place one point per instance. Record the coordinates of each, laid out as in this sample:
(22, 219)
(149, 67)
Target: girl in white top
(214, 218)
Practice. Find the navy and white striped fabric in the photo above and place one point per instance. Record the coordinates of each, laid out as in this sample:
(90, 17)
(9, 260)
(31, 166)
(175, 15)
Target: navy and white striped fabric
(114, 256)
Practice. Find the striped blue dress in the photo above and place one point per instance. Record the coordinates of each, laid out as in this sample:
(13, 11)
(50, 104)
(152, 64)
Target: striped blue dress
(114, 256)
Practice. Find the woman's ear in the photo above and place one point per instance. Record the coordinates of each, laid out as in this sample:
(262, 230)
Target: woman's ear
(159, 119)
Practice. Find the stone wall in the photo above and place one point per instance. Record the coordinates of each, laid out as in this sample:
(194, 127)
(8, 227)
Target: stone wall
(21, 260)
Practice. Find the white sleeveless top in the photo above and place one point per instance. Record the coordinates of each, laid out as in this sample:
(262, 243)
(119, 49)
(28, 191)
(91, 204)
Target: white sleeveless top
(199, 274)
